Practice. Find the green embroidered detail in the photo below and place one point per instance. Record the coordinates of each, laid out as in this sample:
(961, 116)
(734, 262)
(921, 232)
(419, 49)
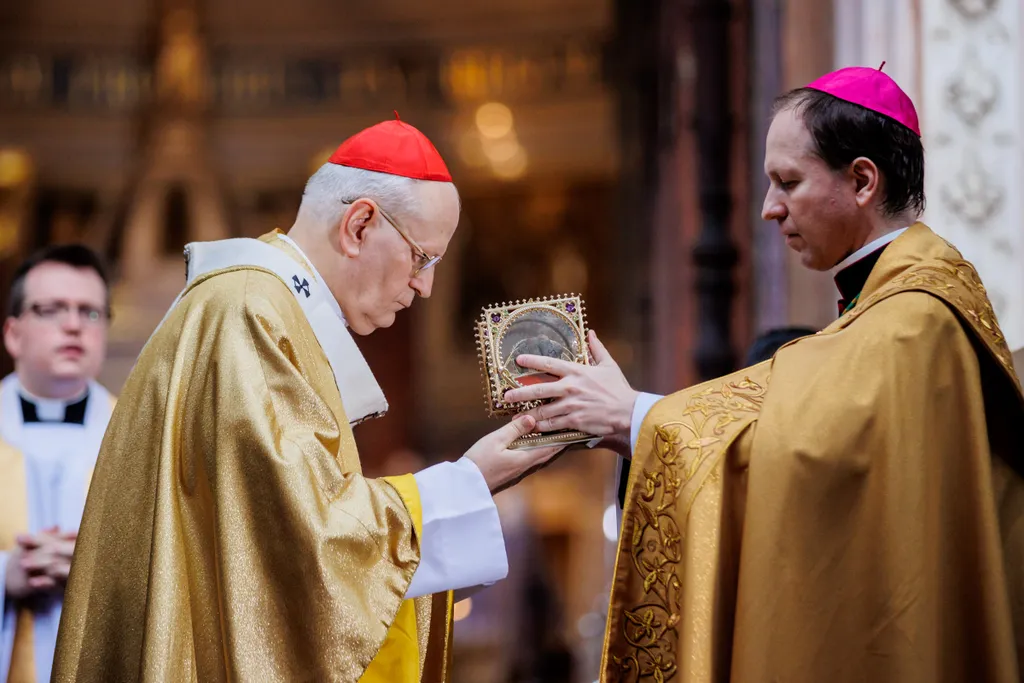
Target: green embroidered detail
(853, 302)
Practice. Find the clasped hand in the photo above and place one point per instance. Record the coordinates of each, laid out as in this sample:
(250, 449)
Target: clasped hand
(595, 399)
(502, 467)
(39, 563)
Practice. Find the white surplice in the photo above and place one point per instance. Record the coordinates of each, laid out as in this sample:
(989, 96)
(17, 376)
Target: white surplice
(59, 459)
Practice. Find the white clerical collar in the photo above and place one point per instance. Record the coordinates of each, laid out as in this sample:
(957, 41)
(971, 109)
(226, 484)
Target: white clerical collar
(316, 274)
(868, 248)
(49, 409)
(360, 392)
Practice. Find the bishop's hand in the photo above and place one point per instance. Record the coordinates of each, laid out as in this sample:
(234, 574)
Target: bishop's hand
(595, 399)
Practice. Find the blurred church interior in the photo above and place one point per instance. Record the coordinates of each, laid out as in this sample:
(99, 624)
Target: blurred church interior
(605, 147)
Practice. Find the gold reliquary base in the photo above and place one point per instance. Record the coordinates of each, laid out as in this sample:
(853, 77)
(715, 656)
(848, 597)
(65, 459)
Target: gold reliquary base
(554, 327)
(540, 440)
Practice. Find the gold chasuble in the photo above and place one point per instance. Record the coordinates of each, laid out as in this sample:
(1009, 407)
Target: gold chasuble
(850, 511)
(229, 533)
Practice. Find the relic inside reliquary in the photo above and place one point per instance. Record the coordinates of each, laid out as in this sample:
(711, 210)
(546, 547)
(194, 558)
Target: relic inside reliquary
(553, 327)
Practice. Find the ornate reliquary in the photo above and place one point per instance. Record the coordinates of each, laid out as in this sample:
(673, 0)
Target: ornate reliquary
(553, 326)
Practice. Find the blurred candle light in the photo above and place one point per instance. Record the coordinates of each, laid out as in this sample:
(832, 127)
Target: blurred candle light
(15, 167)
(494, 120)
(610, 524)
(492, 141)
(462, 609)
(512, 169)
(501, 151)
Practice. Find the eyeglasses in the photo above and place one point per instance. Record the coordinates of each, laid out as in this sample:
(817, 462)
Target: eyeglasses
(424, 260)
(58, 312)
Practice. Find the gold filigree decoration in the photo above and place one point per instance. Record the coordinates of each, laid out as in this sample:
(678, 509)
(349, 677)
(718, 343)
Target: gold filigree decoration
(553, 326)
(685, 455)
(568, 312)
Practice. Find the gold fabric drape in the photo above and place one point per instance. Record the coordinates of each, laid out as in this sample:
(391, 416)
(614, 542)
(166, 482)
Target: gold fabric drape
(14, 521)
(850, 511)
(229, 533)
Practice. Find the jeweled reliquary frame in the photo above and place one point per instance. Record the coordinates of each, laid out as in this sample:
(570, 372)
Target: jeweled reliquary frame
(494, 324)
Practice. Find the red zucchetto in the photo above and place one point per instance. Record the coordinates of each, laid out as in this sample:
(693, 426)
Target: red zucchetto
(393, 147)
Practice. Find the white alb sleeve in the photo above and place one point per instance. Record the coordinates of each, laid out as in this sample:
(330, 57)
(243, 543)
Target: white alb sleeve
(462, 544)
(643, 405)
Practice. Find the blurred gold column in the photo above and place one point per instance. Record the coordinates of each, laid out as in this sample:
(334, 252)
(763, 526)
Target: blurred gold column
(17, 182)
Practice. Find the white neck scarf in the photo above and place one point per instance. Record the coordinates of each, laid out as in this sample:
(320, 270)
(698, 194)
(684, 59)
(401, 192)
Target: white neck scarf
(360, 393)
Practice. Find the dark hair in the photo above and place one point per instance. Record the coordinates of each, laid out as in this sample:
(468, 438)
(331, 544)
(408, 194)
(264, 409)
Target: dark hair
(76, 255)
(843, 131)
(767, 343)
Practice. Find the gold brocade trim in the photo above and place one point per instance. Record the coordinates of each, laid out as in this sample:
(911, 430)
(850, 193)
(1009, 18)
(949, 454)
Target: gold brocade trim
(685, 454)
(956, 282)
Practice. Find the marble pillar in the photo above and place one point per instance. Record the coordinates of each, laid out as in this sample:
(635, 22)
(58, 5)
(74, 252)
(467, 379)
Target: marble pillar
(973, 121)
(870, 32)
(961, 62)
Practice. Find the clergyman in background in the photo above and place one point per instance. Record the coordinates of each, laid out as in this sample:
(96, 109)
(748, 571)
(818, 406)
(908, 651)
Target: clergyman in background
(53, 414)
